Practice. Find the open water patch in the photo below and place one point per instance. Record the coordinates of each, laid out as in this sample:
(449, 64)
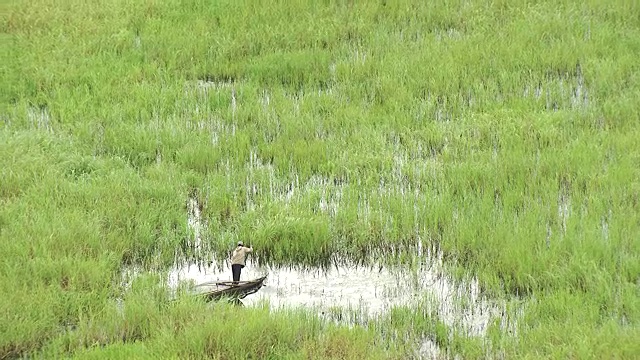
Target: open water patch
(359, 293)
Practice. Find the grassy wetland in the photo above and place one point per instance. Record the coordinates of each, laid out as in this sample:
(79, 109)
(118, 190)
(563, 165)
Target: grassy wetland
(501, 135)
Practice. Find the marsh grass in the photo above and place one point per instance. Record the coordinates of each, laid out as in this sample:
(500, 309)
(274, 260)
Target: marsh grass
(504, 134)
(191, 329)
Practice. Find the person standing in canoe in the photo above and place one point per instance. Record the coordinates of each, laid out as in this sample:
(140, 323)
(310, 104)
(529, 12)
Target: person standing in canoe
(238, 258)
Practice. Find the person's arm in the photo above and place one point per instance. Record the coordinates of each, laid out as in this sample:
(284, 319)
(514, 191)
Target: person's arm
(250, 249)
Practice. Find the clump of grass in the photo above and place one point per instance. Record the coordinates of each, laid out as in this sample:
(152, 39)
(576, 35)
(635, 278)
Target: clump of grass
(171, 330)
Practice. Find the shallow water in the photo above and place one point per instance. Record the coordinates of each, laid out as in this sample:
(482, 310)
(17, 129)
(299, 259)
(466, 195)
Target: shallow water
(364, 292)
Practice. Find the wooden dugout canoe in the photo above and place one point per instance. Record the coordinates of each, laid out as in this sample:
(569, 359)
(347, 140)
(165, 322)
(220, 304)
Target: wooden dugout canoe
(230, 289)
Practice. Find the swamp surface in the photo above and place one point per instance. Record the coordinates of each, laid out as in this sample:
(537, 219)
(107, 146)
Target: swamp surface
(419, 179)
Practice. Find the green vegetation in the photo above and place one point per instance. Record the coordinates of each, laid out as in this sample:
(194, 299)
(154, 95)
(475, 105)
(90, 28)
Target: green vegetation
(504, 134)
